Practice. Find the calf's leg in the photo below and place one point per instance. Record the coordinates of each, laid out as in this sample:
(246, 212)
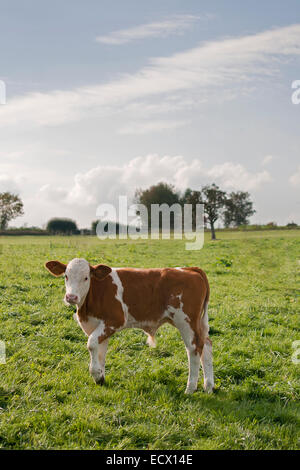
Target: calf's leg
(194, 365)
(207, 366)
(192, 349)
(206, 356)
(97, 354)
(150, 332)
(151, 341)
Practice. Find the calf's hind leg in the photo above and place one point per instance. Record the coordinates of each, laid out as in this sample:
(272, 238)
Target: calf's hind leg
(193, 350)
(150, 332)
(206, 356)
(194, 365)
(207, 366)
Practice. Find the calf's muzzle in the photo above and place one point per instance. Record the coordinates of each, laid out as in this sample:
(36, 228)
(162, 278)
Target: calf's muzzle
(71, 298)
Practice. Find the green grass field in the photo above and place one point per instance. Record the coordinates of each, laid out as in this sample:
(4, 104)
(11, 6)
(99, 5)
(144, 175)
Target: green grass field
(49, 401)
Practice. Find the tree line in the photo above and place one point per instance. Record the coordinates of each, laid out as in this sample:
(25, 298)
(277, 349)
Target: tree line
(234, 209)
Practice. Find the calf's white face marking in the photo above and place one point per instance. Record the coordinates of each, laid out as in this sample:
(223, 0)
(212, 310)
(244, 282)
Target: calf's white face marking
(77, 280)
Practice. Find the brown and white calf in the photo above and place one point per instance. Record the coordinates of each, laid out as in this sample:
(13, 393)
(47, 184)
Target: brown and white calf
(110, 299)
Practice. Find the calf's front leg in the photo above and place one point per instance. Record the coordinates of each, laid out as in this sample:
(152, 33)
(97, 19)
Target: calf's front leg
(97, 346)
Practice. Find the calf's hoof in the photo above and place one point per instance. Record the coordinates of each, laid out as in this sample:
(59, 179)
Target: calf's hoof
(190, 390)
(151, 341)
(98, 376)
(209, 387)
(99, 380)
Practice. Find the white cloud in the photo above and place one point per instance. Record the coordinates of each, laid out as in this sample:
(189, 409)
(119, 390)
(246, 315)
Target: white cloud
(224, 67)
(51, 193)
(10, 183)
(144, 127)
(295, 178)
(267, 159)
(235, 176)
(8, 156)
(177, 24)
(106, 182)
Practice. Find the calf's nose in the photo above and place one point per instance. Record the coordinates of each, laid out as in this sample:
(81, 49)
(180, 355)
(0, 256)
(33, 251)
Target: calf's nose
(71, 298)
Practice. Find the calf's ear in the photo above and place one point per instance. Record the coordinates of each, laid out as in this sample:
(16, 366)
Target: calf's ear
(100, 271)
(55, 267)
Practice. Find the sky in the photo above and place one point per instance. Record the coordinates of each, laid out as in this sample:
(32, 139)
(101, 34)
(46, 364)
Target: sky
(104, 97)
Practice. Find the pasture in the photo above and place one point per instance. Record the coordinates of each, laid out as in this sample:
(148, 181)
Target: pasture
(49, 401)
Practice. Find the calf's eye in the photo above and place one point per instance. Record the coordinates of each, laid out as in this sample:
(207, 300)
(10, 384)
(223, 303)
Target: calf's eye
(86, 279)
(66, 278)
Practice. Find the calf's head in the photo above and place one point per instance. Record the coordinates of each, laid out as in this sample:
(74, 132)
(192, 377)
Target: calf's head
(78, 273)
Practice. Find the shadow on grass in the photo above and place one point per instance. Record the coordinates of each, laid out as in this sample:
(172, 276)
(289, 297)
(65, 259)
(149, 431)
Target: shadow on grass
(251, 407)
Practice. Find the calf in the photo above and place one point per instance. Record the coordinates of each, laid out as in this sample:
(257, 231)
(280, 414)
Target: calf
(110, 299)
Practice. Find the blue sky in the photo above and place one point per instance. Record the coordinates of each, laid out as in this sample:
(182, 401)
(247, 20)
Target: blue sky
(107, 96)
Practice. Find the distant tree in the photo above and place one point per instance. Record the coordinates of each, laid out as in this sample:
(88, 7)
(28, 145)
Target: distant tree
(161, 193)
(271, 224)
(85, 231)
(191, 197)
(62, 226)
(213, 199)
(238, 209)
(292, 225)
(11, 207)
(94, 226)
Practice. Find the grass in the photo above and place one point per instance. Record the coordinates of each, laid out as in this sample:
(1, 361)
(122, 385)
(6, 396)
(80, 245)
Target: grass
(49, 401)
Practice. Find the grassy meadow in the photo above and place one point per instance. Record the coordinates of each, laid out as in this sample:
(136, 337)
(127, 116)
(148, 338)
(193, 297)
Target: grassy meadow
(49, 401)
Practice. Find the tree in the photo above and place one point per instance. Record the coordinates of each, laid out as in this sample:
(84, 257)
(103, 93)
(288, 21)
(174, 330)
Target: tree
(11, 207)
(291, 225)
(238, 209)
(213, 199)
(192, 197)
(161, 193)
(62, 226)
